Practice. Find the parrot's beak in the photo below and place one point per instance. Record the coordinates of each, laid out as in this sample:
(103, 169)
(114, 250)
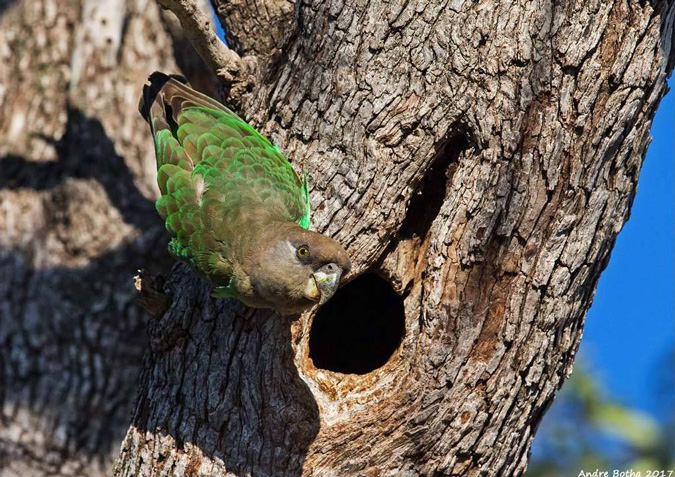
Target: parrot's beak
(323, 283)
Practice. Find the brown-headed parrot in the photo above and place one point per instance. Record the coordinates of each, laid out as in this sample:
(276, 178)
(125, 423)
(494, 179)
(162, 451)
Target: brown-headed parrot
(238, 212)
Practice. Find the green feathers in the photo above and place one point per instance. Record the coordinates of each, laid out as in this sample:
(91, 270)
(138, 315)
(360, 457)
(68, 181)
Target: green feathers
(218, 177)
(305, 220)
(237, 211)
(213, 156)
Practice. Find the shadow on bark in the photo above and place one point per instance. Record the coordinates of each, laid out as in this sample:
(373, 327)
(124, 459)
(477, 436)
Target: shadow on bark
(72, 337)
(221, 378)
(188, 61)
(4, 5)
(84, 151)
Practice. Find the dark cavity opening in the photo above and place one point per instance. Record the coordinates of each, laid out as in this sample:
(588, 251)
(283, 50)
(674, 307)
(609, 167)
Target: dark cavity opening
(359, 329)
(427, 200)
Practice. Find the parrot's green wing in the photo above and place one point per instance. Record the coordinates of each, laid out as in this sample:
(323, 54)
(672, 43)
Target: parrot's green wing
(217, 175)
(306, 218)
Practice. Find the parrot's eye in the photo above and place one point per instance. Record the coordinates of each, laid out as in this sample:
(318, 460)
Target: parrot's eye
(302, 252)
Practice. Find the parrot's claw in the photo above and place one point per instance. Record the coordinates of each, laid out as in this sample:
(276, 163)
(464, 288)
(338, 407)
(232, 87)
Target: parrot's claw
(151, 294)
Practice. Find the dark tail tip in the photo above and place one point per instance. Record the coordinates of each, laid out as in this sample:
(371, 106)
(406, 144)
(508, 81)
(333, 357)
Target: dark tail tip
(156, 81)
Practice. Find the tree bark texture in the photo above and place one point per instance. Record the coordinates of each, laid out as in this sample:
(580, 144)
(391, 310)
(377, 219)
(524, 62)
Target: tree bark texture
(478, 156)
(76, 219)
(255, 28)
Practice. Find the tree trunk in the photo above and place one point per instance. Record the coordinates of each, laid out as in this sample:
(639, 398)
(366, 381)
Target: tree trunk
(77, 184)
(477, 159)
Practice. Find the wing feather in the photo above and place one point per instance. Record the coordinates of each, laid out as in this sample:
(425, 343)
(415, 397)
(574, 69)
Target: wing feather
(214, 172)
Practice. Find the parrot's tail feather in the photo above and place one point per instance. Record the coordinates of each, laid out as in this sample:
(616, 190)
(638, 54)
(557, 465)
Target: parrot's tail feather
(167, 95)
(157, 81)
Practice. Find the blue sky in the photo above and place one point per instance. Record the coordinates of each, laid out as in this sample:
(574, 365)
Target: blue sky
(219, 27)
(629, 330)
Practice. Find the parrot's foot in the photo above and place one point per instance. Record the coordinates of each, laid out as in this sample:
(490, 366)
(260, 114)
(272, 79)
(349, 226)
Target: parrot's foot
(151, 296)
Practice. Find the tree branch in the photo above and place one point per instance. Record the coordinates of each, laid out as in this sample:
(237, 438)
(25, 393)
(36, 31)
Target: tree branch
(255, 28)
(237, 73)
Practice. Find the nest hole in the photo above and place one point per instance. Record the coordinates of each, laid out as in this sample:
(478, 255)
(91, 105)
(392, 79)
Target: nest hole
(359, 329)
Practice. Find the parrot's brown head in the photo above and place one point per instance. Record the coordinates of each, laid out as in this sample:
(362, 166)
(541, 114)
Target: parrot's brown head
(293, 269)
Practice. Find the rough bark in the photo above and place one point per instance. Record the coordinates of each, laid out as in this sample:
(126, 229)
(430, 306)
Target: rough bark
(481, 157)
(197, 21)
(256, 28)
(76, 221)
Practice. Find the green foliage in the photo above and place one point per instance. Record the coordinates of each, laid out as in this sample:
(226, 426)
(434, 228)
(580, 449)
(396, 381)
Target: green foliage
(587, 430)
